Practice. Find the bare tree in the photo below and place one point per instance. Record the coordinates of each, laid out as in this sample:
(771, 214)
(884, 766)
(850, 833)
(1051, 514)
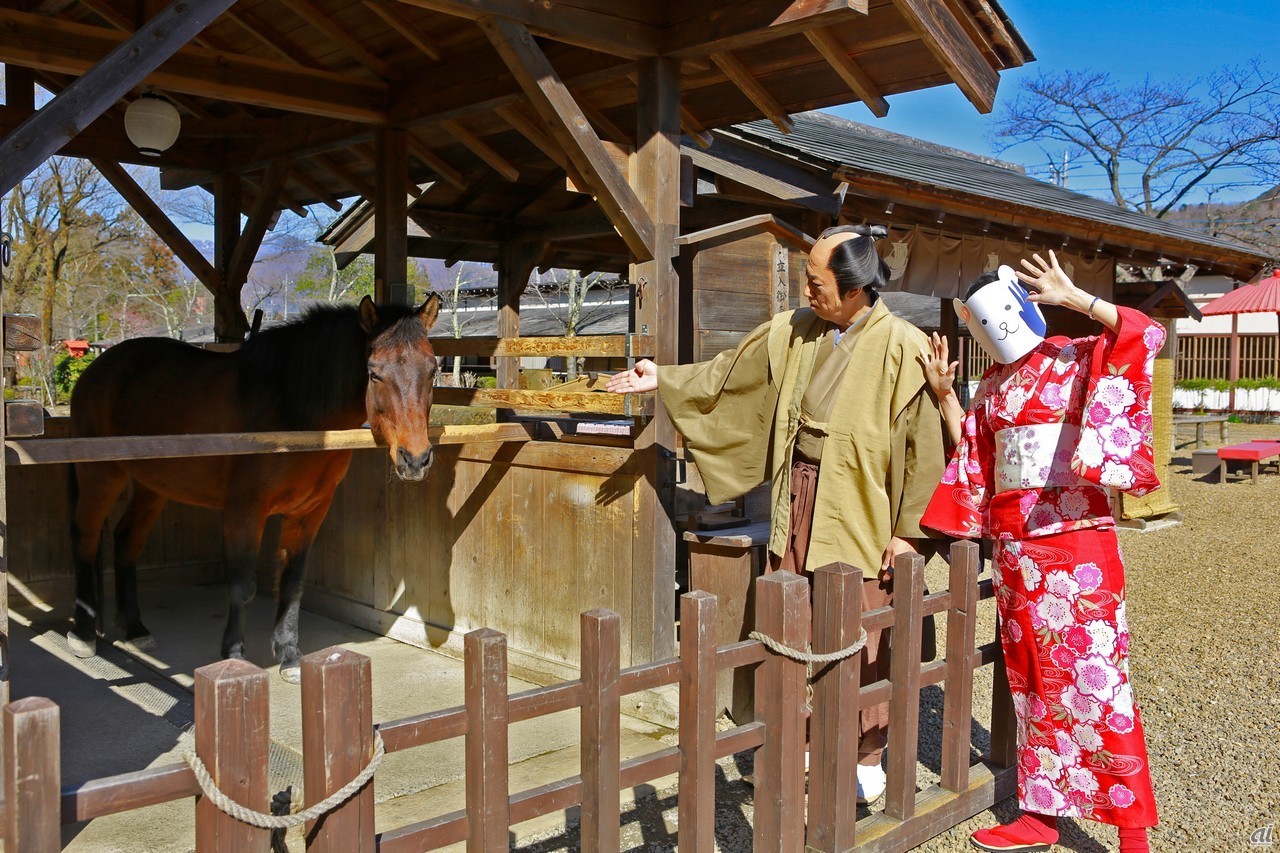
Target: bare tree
(452, 304)
(1175, 136)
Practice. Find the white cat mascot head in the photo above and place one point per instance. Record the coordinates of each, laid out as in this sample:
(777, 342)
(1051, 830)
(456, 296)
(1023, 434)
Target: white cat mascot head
(1001, 318)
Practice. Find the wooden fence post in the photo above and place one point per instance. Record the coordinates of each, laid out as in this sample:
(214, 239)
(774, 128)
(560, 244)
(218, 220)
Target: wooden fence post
(488, 815)
(232, 733)
(337, 743)
(782, 613)
(601, 720)
(32, 776)
(698, 706)
(1004, 722)
(833, 728)
(904, 679)
(957, 702)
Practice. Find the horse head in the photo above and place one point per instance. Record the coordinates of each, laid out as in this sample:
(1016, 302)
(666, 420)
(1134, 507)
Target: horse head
(402, 371)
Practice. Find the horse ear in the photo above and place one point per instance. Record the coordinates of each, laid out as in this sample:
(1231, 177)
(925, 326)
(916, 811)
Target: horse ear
(368, 315)
(429, 310)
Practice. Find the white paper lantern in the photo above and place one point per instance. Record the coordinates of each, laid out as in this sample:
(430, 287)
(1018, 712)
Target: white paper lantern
(152, 124)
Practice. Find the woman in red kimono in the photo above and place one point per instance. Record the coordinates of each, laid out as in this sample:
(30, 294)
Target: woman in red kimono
(1049, 431)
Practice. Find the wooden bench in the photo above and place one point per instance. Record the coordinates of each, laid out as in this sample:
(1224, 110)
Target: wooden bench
(1199, 421)
(1254, 452)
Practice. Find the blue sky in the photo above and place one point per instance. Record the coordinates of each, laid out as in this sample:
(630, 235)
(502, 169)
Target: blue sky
(1130, 40)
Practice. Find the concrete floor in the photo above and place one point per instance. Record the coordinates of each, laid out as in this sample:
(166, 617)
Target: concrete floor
(125, 711)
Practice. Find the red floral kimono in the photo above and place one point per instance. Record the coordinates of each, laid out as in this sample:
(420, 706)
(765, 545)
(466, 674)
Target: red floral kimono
(1044, 438)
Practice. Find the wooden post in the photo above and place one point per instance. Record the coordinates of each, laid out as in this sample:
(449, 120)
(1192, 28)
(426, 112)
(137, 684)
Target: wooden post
(488, 818)
(904, 679)
(655, 175)
(782, 613)
(515, 265)
(391, 217)
(337, 743)
(698, 707)
(229, 323)
(32, 776)
(1004, 722)
(1233, 370)
(957, 705)
(232, 736)
(601, 720)
(4, 521)
(833, 733)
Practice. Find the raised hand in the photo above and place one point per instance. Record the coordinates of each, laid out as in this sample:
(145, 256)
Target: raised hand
(1048, 284)
(642, 377)
(940, 374)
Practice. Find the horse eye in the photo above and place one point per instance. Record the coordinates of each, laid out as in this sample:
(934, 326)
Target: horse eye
(374, 377)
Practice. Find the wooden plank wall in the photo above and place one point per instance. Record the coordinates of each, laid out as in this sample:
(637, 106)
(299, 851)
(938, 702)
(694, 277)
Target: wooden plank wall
(509, 545)
(733, 291)
(186, 543)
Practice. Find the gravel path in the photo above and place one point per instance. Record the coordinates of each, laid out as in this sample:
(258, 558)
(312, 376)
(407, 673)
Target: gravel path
(1205, 667)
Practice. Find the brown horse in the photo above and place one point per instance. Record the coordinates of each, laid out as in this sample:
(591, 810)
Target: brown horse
(335, 368)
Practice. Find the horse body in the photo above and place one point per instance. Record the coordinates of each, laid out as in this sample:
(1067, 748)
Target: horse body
(334, 369)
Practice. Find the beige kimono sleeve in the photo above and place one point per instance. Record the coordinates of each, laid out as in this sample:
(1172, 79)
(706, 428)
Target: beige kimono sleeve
(916, 463)
(724, 408)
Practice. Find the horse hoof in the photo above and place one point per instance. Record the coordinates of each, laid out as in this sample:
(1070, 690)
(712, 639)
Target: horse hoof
(291, 674)
(145, 643)
(80, 648)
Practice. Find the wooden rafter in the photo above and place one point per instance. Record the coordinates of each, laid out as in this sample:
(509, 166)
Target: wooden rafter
(605, 128)
(160, 223)
(315, 189)
(404, 28)
(582, 27)
(951, 46)
(689, 124)
(481, 149)
(264, 209)
(435, 162)
(751, 87)
(119, 70)
(353, 181)
(770, 176)
(79, 49)
(849, 70)
(322, 22)
(529, 128)
(744, 25)
(270, 37)
(568, 126)
(369, 154)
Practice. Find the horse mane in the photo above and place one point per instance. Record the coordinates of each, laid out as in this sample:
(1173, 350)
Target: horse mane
(312, 367)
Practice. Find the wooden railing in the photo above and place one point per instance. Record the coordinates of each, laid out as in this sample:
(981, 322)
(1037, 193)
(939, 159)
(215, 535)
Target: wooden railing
(1209, 357)
(232, 713)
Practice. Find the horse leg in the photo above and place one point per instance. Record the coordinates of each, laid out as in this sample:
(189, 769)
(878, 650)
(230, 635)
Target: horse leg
(92, 490)
(242, 533)
(131, 537)
(296, 536)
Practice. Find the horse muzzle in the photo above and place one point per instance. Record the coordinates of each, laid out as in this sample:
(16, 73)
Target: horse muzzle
(412, 468)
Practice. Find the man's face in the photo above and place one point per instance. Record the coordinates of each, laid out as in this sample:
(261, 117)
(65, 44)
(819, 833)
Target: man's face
(821, 289)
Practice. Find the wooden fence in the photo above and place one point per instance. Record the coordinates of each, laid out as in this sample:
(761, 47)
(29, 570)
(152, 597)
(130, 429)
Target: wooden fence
(1209, 356)
(232, 734)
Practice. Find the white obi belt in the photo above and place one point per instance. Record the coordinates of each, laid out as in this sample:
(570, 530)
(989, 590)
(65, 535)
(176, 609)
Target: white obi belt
(1036, 457)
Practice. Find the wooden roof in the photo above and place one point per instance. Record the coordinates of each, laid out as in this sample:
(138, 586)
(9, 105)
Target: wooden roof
(308, 81)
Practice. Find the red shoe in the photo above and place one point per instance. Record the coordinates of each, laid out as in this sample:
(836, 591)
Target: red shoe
(1031, 832)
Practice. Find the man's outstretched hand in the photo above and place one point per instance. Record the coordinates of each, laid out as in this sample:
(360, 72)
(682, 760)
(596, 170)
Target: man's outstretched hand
(642, 377)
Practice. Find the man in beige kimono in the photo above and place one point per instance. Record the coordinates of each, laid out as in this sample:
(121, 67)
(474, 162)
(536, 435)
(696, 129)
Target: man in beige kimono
(831, 404)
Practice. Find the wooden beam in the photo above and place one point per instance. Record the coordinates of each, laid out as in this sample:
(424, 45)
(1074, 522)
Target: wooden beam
(773, 177)
(369, 154)
(605, 128)
(515, 265)
(530, 130)
(160, 223)
(265, 206)
(561, 22)
(435, 162)
(566, 123)
(70, 48)
(104, 138)
(718, 27)
(392, 19)
(358, 185)
(448, 225)
(322, 22)
(849, 70)
(70, 111)
(481, 149)
(751, 87)
(951, 46)
(316, 190)
(690, 125)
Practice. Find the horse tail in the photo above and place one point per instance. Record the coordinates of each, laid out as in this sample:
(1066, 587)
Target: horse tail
(99, 559)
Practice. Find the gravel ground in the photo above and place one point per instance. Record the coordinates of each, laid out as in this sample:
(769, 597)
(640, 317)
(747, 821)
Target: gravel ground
(1205, 664)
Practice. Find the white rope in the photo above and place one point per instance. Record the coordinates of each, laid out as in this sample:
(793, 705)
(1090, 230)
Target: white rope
(270, 821)
(809, 656)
